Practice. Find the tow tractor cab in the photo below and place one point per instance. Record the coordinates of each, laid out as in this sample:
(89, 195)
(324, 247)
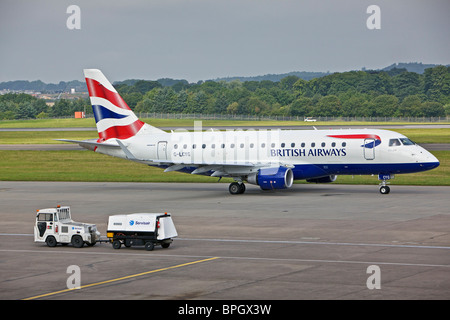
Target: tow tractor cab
(141, 229)
(55, 225)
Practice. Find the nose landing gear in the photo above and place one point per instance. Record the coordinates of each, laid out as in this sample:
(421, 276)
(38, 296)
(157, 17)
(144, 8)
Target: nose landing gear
(384, 188)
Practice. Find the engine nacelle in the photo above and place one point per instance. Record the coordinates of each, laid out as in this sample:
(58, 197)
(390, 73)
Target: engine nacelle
(326, 179)
(272, 178)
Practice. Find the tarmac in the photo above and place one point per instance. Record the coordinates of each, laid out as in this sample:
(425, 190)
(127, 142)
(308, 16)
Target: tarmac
(310, 242)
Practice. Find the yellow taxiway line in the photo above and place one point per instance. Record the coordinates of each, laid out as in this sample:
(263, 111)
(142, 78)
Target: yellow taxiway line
(119, 279)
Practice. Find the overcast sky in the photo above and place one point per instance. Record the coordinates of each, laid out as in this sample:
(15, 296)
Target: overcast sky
(206, 39)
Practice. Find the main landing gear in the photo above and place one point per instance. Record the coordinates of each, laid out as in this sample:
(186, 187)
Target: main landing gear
(236, 188)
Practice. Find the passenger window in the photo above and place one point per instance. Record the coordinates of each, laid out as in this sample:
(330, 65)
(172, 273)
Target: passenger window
(232, 145)
(203, 146)
(323, 144)
(223, 145)
(394, 143)
(242, 145)
(251, 145)
(282, 145)
(333, 144)
(194, 146)
(175, 146)
(263, 145)
(213, 146)
(303, 144)
(273, 145)
(344, 144)
(292, 145)
(313, 144)
(185, 146)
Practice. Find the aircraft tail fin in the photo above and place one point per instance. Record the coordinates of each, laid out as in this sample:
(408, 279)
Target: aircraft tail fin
(114, 118)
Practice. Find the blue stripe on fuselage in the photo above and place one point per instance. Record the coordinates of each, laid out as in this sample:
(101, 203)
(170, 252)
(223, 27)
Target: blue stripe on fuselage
(310, 171)
(307, 171)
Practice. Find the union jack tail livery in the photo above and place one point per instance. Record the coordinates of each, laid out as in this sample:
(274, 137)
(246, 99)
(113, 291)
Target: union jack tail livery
(114, 118)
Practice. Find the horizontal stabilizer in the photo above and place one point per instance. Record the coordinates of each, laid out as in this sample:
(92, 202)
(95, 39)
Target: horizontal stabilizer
(91, 144)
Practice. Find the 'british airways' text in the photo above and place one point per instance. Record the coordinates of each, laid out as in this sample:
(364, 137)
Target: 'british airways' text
(318, 152)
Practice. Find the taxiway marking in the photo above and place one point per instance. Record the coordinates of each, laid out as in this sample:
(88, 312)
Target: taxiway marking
(237, 258)
(119, 279)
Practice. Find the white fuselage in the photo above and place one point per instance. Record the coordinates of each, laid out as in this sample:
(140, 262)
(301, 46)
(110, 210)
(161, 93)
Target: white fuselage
(310, 153)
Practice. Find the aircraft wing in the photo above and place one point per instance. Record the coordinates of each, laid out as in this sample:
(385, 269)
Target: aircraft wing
(226, 169)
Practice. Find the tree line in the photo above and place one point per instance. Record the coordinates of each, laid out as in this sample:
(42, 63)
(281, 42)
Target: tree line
(393, 93)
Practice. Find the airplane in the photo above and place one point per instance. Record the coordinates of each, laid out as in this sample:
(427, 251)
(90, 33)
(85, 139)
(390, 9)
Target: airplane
(271, 159)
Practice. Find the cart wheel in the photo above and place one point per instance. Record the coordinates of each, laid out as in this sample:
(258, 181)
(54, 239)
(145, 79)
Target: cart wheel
(116, 244)
(149, 246)
(77, 241)
(165, 245)
(51, 241)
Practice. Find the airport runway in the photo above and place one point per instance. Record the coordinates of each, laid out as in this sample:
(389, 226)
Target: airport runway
(308, 242)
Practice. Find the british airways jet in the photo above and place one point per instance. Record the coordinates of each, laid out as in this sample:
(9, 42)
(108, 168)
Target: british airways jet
(271, 159)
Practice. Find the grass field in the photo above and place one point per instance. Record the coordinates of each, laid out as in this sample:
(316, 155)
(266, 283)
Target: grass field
(90, 166)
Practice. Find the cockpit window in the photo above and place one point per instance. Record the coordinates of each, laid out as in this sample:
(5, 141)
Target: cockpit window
(404, 141)
(394, 142)
(407, 142)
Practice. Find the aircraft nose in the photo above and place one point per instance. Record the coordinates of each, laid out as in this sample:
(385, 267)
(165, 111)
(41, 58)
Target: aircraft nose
(430, 159)
(435, 160)
(423, 156)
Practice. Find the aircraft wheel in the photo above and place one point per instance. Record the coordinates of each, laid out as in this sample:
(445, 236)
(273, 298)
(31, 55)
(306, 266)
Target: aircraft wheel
(236, 188)
(385, 189)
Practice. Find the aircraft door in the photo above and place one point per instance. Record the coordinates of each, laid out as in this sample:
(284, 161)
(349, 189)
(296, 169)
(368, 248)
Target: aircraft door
(369, 149)
(162, 150)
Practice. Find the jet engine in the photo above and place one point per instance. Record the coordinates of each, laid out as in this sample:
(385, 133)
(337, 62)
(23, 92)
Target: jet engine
(272, 178)
(326, 179)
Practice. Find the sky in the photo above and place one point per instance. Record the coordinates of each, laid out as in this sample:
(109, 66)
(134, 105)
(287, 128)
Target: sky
(207, 39)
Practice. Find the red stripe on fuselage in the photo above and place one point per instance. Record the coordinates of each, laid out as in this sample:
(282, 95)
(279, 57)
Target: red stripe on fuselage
(99, 91)
(121, 132)
(355, 136)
